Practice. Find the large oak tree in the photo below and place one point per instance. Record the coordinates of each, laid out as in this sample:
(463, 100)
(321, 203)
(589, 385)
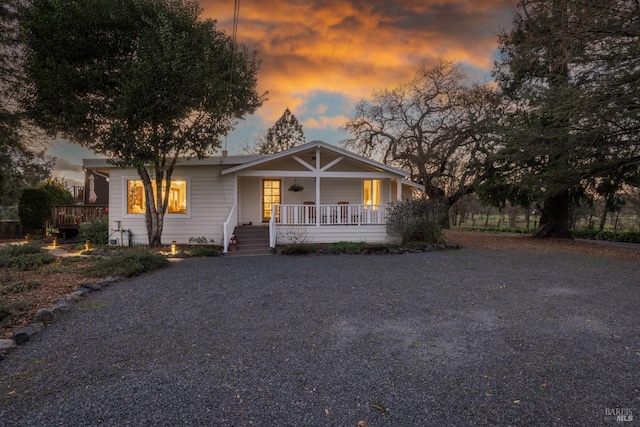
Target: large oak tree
(437, 126)
(142, 81)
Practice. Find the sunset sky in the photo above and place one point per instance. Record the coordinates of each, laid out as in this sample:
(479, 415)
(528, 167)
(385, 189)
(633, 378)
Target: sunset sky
(319, 57)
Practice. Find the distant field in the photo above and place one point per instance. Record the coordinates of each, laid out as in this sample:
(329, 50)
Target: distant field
(621, 223)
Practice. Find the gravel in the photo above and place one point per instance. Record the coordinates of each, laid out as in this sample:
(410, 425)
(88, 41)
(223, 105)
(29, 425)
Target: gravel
(450, 338)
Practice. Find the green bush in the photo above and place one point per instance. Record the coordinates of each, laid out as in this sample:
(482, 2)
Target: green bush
(24, 257)
(8, 309)
(20, 249)
(299, 249)
(128, 264)
(416, 220)
(34, 206)
(97, 231)
(346, 246)
(202, 252)
(18, 287)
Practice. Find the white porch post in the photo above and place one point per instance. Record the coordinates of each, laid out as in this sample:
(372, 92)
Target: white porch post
(399, 192)
(317, 179)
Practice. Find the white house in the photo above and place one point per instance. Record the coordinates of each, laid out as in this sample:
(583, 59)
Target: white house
(340, 196)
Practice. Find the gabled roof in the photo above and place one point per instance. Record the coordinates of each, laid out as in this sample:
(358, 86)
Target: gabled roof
(316, 144)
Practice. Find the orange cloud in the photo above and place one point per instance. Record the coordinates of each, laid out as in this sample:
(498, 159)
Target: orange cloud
(315, 47)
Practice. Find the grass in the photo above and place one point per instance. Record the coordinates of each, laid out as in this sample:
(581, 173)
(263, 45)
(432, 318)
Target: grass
(606, 235)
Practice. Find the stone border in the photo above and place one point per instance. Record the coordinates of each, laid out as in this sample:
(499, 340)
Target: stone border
(45, 316)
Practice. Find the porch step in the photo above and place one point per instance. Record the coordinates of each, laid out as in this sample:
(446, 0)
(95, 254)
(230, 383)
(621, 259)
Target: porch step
(252, 240)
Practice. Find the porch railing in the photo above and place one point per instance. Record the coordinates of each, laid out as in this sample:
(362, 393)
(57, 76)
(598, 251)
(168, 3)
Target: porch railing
(338, 214)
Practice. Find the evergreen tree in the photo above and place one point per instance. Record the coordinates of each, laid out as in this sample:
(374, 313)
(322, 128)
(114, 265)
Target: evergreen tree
(571, 72)
(284, 134)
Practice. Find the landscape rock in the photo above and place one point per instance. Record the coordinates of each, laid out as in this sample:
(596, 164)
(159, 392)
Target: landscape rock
(73, 297)
(44, 315)
(61, 307)
(7, 345)
(22, 335)
(91, 286)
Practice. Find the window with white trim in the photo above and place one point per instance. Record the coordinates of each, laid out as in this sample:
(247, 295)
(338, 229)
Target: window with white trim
(371, 192)
(177, 197)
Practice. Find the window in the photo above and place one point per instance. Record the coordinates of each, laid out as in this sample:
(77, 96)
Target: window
(136, 197)
(371, 192)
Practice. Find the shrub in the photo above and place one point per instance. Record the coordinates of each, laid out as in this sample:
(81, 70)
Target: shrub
(34, 206)
(97, 231)
(128, 264)
(201, 240)
(9, 308)
(202, 252)
(24, 257)
(17, 287)
(346, 246)
(298, 249)
(416, 220)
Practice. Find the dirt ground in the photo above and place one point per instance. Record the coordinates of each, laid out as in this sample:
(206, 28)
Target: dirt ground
(56, 280)
(511, 242)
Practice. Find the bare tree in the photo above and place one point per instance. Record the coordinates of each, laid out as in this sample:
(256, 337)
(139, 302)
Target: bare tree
(436, 126)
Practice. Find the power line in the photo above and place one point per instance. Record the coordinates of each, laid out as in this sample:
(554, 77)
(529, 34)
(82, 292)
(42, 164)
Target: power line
(344, 61)
(234, 35)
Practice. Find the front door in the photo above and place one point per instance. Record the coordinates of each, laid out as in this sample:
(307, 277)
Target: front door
(270, 196)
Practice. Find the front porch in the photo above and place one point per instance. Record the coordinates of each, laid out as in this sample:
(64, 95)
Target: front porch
(328, 223)
(316, 193)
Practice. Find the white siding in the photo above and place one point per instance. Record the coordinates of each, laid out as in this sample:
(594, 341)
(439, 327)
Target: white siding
(332, 234)
(210, 200)
(249, 209)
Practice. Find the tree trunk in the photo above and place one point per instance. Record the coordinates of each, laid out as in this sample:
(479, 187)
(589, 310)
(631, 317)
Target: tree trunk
(603, 218)
(155, 224)
(554, 220)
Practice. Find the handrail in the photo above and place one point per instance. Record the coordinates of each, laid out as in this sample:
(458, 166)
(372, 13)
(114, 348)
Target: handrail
(228, 227)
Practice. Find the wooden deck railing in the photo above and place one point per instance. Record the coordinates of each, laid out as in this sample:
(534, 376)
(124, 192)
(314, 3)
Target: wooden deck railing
(72, 216)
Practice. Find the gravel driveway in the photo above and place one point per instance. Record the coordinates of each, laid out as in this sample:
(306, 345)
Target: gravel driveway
(452, 338)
